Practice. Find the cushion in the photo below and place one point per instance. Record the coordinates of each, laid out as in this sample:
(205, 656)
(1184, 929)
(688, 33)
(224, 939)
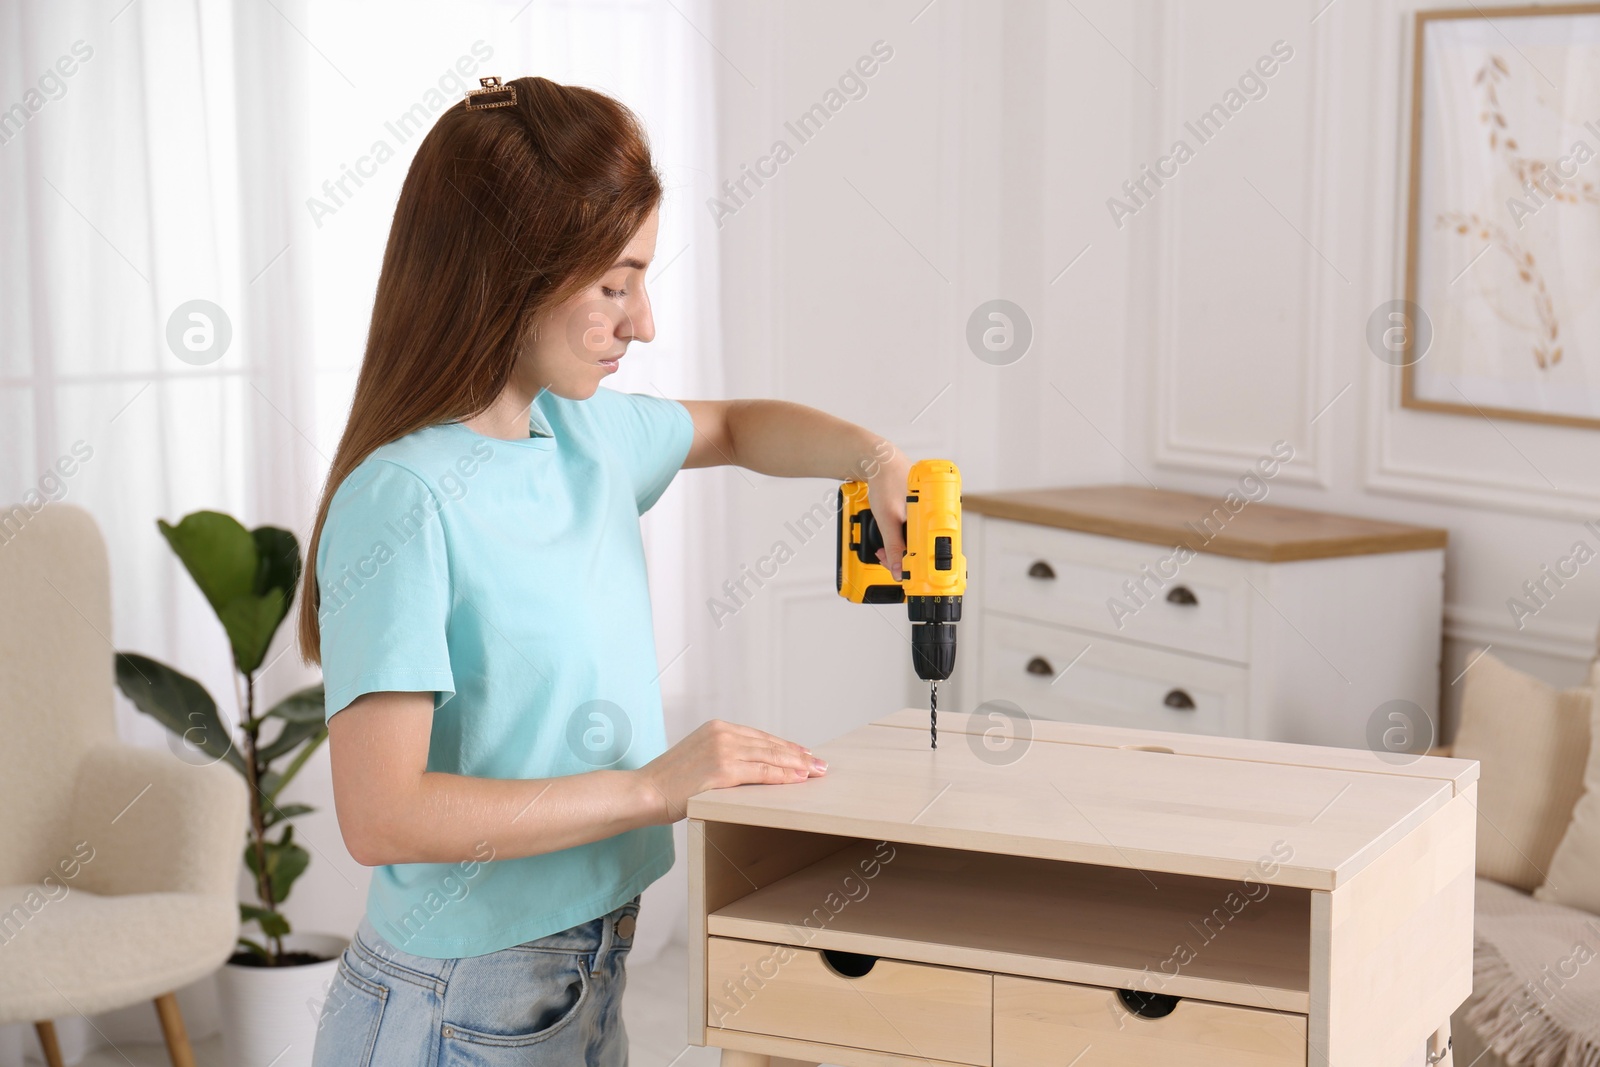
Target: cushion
(69, 951)
(1574, 872)
(1532, 741)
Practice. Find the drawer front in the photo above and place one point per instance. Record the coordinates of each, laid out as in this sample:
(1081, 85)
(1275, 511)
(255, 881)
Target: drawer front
(1055, 673)
(1038, 1022)
(1072, 578)
(910, 1009)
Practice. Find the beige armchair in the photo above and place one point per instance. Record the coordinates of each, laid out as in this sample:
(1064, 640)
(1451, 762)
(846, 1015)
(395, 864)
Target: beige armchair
(118, 865)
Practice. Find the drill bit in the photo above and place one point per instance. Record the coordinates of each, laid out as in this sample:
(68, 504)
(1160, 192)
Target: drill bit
(933, 714)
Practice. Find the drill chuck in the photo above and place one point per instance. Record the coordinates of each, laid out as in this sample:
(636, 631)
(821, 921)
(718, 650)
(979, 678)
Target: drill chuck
(933, 650)
(933, 635)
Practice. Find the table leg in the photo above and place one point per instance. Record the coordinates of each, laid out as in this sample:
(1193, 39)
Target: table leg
(1439, 1047)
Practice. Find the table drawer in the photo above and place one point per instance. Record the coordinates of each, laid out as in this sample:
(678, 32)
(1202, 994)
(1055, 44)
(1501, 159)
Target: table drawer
(910, 1009)
(1038, 1022)
(1073, 578)
(1056, 673)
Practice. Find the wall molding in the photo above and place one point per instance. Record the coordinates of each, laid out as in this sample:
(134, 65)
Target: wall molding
(1483, 626)
(1313, 464)
(1417, 482)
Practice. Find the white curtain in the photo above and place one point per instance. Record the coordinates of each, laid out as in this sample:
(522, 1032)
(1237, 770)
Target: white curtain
(189, 155)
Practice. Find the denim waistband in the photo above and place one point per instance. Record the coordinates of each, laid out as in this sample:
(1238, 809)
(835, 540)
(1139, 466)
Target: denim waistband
(593, 937)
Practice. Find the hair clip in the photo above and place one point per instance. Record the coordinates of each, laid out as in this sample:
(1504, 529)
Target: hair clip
(493, 94)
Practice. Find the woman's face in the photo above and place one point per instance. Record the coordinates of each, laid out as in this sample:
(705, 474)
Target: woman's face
(580, 342)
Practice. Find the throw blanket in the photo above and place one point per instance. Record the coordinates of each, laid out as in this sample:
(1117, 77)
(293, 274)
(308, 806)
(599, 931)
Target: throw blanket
(1535, 980)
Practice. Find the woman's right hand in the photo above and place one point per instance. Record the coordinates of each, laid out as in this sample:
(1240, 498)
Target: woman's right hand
(719, 754)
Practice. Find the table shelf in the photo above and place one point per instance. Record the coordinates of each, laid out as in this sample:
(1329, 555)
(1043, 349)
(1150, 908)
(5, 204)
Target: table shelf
(1229, 941)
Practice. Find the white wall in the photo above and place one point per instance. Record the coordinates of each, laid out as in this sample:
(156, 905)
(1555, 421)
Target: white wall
(1249, 319)
(1226, 314)
(964, 174)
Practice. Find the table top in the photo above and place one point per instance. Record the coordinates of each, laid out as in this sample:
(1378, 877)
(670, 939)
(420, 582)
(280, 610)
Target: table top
(1148, 800)
(1257, 531)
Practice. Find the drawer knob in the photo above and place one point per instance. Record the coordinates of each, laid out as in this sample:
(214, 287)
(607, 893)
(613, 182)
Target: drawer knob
(1183, 595)
(1147, 1005)
(1040, 665)
(1180, 700)
(1041, 569)
(848, 964)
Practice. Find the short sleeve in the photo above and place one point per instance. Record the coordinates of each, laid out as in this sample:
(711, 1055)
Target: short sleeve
(653, 434)
(384, 580)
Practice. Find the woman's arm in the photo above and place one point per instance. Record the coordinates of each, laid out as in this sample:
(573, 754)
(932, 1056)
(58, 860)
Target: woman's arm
(790, 440)
(392, 809)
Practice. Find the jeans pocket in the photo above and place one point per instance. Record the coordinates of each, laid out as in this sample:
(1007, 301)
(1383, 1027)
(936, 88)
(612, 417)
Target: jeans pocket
(347, 1029)
(517, 999)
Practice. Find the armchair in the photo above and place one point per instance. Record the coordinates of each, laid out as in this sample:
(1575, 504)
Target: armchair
(117, 864)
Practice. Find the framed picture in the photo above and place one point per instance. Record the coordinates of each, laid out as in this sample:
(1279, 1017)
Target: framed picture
(1502, 314)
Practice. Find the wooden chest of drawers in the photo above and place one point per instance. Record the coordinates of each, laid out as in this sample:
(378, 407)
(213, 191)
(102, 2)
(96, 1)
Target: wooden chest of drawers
(1152, 609)
(1103, 898)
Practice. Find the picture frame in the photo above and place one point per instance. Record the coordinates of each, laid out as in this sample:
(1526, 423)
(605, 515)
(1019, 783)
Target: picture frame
(1501, 316)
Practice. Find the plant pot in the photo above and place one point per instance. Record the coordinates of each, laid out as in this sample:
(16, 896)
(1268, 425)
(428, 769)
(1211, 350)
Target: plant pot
(269, 1014)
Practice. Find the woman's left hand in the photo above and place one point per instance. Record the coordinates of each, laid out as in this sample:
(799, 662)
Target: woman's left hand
(886, 495)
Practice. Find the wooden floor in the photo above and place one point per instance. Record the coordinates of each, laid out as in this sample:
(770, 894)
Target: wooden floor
(653, 1010)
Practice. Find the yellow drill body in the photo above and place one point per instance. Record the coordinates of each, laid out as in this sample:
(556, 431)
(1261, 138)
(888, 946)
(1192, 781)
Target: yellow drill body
(933, 574)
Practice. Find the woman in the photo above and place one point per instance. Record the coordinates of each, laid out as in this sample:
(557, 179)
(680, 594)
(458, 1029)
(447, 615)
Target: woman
(480, 605)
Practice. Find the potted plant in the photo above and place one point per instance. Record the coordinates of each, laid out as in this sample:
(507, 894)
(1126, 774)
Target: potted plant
(250, 577)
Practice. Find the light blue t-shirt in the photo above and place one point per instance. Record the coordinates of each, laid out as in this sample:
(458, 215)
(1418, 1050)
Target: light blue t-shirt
(508, 579)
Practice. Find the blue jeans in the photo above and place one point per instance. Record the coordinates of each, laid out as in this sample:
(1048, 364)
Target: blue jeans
(554, 1001)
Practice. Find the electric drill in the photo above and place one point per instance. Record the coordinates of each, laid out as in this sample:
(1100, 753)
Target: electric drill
(933, 574)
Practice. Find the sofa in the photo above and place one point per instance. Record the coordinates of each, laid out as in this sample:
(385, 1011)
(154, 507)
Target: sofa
(1536, 948)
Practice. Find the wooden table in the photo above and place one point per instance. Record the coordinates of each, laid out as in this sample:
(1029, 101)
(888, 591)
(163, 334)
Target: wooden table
(1037, 892)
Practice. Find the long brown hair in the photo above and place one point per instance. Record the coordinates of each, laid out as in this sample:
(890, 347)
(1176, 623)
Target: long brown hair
(505, 213)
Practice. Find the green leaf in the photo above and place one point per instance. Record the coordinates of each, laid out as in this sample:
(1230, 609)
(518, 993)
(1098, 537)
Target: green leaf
(306, 704)
(291, 737)
(275, 814)
(286, 861)
(249, 577)
(272, 783)
(278, 565)
(251, 621)
(272, 924)
(292, 863)
(179, 703)
(220, 555)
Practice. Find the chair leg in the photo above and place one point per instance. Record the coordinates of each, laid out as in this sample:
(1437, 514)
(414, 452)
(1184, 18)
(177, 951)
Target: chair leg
(47, 1041)
(172, 1029)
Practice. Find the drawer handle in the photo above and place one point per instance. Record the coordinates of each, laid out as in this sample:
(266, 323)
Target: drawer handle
(1182, 595)
(1147, 1005)
(1041, 569)
(1180, 700)
(1040, 665)
(848, 964)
